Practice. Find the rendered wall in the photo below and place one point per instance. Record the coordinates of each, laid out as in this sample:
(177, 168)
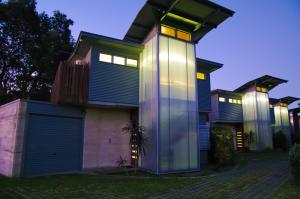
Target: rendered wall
(104, 141)
(257, 120)
(12, 125)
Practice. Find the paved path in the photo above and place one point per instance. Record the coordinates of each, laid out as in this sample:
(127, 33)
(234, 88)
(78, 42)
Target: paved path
(264, 178)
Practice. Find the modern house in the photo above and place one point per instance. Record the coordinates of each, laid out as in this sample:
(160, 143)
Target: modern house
(152, 75)
(294, 115)
(250, 113)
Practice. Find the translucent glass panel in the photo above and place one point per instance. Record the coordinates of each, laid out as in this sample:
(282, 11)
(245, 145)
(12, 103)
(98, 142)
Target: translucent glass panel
(148, 102)
(257, 119)
(282, 122)
(178, 106)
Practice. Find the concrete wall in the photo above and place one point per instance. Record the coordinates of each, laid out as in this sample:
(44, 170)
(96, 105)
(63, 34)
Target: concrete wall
(104, 141)
(12, 125)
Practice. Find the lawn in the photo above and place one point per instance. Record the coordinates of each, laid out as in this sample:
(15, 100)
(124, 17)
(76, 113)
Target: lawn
(141, 185)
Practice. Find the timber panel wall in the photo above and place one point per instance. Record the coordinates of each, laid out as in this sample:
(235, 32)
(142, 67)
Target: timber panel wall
(71, 84)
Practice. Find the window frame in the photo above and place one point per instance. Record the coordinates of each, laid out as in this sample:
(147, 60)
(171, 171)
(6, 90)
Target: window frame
(222, 99)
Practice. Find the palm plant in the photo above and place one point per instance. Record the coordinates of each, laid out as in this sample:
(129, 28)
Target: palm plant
(137, 140)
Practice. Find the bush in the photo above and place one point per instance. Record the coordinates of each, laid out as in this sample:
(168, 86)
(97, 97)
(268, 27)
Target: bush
(279, 141)
(294, 157)
(222, 145)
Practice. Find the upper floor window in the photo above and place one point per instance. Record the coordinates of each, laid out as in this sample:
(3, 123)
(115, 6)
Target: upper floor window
(222, 99)
(118, 60)
(271, 106)
(234, 101)
(105, 57)
(201, 76)
(173, 32)
(261, 89)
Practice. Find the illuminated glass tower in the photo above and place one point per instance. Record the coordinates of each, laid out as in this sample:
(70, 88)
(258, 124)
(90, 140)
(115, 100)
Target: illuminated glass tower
(256, 111)
(168, 102)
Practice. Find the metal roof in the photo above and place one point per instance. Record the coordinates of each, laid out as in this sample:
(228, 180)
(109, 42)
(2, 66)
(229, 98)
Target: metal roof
(207, 65)
(86, 40)
(266, 81)
(226, 92)
(195, 16)
(287, 100)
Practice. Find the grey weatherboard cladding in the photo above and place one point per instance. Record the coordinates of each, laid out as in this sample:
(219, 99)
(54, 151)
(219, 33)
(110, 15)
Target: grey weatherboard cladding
(230, 112)
(53, 139)
(204, 101)
(113, 83)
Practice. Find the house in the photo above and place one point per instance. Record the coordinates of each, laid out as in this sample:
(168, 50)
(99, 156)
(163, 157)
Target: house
(251, 114)
(294, 115)
(152, 75)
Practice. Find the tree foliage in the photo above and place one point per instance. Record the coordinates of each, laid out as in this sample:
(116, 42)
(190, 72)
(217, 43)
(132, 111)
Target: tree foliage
(31, 46)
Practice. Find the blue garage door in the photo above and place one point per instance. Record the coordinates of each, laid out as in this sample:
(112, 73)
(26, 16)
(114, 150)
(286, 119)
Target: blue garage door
(53, 145)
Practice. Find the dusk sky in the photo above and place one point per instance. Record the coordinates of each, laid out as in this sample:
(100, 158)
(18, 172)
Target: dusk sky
(263, 37)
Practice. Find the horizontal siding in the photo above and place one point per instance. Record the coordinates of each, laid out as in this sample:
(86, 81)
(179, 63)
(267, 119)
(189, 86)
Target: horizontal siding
(204, 101)
(45, 108)
(204, 138)
(272, 115)
(112, 83)
(230, 112)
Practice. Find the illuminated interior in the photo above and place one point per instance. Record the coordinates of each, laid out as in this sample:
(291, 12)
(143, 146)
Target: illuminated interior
(105, 58)
(282, 120)
(222, 99)
(256, 116)
(172, 32)
(201, 76)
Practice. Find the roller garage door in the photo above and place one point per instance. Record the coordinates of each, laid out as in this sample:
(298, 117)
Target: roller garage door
(53, 144)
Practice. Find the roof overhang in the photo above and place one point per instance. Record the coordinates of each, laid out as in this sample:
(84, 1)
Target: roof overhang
(287, 100)
(226, 92)
(86, 40)
(266, 81)
(208, 66)
(196, 16)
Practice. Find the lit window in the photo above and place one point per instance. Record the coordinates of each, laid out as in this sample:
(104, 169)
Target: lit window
(105, 57)
(119, 60)
(235, 101)
(230, 100)
(258, 88)
(168, 31)
(183, 35)
(131, 62)
(264, 90)
(222, 99)
(271, 105)
(239, 101)
(201, 76)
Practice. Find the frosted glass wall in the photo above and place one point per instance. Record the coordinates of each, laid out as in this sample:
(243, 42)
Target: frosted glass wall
(178, 106)
(282, 122)
(257, 119)
(148, 102)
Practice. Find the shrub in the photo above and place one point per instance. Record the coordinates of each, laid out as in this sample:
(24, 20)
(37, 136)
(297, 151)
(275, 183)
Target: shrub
(222, 145)
(294, 157)
(279, 141)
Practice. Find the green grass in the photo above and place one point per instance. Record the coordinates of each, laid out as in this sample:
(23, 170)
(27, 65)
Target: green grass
(138, 185)
(289, 190)
(81, 185)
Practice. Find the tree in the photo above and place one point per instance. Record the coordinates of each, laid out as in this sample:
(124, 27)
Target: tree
(137, 140)
(31, 47)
